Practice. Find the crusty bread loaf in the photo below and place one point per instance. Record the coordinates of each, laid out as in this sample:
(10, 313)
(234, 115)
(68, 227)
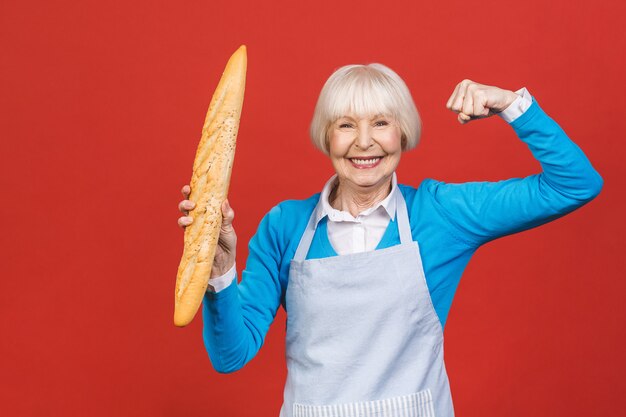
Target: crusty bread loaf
(209, 187)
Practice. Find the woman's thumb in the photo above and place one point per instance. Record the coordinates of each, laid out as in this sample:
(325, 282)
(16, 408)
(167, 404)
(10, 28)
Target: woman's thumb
(228, 214)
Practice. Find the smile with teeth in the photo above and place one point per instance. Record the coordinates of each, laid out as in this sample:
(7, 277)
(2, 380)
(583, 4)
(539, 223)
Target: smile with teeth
(369, 162)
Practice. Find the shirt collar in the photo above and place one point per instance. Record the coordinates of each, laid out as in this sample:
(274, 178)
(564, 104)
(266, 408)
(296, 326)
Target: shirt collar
(325, 209)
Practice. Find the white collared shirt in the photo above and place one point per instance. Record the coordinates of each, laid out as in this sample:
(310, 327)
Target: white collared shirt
(348, 234)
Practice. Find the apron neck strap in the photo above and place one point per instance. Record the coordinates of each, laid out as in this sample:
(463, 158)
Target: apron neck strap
(307, 237)
(402, 217)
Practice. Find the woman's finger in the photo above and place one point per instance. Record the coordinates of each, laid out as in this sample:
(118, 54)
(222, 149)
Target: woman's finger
(186, 191)
(186, 205)
(185, 221)
(463, 118)
(480, 108)
(468, 101)
(452, 97)
(457, 103)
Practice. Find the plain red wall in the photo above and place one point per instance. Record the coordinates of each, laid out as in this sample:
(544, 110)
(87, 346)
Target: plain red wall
(102, 103)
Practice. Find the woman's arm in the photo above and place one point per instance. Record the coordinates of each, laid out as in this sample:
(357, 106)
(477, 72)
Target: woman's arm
(237, 318)
(483, 211)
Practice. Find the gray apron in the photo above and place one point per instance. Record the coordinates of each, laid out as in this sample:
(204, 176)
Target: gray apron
(363, 338)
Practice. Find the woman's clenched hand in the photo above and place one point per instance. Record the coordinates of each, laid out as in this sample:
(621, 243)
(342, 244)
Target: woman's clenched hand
(476, 101)
(227, 244)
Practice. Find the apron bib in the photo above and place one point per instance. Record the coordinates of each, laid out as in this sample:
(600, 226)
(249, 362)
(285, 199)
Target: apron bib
(363, 338)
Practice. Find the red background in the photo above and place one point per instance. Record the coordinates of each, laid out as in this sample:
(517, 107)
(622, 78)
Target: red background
(101, 109)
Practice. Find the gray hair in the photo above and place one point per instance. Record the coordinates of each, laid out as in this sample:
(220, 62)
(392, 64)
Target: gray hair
(365, 90)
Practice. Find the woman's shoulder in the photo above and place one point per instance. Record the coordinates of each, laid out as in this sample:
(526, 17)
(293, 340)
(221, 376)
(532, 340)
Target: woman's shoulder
(284, 223)
(290, 217)
(426, 186)
(433, 188)
(425, 200)
(288, 209)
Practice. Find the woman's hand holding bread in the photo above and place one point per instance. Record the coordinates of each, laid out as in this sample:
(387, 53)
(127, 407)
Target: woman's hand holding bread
(227, 243)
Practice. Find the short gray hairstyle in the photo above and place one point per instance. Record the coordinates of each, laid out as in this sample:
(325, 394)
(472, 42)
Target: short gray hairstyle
(365, 90)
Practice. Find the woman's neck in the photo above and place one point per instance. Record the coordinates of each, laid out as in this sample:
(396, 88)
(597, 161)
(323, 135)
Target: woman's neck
(357, 199)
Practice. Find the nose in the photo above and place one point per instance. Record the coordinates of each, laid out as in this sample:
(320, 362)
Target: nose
(364, 139)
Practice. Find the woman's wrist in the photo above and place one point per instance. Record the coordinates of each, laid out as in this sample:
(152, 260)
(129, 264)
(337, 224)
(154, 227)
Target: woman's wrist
(510, 97)
(220, 269)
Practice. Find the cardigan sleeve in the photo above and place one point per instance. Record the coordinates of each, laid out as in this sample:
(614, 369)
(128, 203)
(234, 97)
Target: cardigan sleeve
(237, 318)
(483, 211)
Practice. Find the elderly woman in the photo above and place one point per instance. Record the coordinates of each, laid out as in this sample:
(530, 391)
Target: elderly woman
(366, 270)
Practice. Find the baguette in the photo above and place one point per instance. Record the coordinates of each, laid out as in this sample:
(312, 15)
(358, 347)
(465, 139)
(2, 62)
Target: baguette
(212, 168)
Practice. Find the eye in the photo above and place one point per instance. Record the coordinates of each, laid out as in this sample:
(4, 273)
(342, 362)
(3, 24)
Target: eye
(381, 123)
(345, 126)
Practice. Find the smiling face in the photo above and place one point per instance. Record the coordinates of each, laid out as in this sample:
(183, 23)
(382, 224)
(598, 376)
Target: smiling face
(365, 90)
(365, 151)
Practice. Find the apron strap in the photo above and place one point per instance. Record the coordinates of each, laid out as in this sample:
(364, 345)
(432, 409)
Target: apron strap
(402, 217)
(307, 237)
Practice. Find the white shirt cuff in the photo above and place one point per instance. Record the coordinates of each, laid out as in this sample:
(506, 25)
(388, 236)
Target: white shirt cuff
(219, 283)
(518, 107)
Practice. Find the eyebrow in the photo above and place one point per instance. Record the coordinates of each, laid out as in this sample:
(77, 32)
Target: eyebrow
(376, 116)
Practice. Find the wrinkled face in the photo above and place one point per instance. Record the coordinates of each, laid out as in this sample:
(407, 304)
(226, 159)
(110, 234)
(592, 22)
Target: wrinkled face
(365, 151)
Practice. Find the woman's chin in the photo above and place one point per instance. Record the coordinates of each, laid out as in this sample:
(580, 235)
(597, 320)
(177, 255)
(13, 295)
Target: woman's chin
(368, 180)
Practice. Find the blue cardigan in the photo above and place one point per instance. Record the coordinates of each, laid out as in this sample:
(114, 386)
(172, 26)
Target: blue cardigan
(449, 221)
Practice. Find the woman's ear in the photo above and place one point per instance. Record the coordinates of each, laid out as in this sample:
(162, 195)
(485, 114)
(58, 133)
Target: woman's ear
(403, 142)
